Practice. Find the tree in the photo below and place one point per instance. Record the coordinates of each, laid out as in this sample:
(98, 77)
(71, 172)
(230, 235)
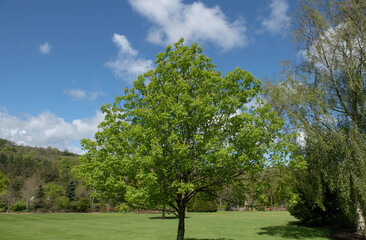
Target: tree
(4, 181)
(70, 191)
(29, 189)
(182, 129)
(39, 201)
(324, 98)
(52, 192)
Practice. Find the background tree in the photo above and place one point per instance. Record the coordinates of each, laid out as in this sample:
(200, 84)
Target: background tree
(30, 187)
(70, 191)
(182, 129)
(324, 97)
(52, 192)
(39, 199)
(4, 181)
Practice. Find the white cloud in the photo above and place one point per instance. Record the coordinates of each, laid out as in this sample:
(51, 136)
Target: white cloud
(47, 129)
(278, 20)
(82, 94)
(45, 48)
(124, 45)
(127, 65)
(195, 22)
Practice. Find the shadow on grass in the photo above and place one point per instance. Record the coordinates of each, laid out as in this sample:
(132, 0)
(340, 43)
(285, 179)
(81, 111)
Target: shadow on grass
(208, 239)
(294, 231)
(166, 218)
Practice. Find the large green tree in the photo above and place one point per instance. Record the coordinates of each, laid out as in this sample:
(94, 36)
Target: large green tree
(324, 97)
(182, 129)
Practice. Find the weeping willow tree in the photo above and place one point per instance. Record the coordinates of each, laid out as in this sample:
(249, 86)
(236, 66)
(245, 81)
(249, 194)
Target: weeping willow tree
(324, 98)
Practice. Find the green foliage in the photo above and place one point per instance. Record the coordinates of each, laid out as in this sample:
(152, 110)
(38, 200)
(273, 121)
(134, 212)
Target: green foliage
(2, 142)
(62, 203)
(40, 192)
(27, 167)
(202, 203)
(81, 205)
(19, 206)
(324, 98)
(4, 181)
(183, 128)
(53, 191)
(123, 208)
(261, 208)
(70, 191)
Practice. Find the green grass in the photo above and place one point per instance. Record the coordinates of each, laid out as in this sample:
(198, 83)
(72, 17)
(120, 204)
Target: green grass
(199, 226)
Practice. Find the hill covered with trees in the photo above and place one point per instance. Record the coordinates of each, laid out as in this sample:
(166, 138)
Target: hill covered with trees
(38, 177)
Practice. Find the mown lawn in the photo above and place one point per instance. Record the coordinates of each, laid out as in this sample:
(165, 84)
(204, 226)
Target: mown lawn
(199, 226)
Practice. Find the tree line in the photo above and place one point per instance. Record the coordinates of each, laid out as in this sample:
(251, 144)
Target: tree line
(41, 179)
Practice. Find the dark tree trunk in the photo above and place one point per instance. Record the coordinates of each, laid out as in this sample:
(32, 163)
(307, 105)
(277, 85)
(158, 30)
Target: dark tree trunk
(163, 213)
(181, 216)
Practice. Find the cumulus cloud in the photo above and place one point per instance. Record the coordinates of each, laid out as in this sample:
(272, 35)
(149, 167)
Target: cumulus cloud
(77, 94)
(47, 129)
(171, 20)
(127, 65)
(45, 48)
(278, 20)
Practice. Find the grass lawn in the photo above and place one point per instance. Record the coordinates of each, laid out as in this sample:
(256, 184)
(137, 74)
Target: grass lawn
(199, 226)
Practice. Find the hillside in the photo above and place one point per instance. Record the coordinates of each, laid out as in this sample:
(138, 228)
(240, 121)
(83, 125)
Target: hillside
(28, 168)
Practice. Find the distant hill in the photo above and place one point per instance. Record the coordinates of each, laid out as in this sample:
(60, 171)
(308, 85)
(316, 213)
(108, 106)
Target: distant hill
(49, 151)
(24, 164)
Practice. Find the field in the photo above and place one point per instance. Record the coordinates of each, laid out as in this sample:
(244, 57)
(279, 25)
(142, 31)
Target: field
(199, 226)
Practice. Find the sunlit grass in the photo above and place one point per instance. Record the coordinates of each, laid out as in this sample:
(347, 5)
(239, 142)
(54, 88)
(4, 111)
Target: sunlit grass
(203, 226)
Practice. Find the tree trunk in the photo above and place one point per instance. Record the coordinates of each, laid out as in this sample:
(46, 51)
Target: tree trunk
(181, 215)
(360, 220)
(163, 213)
(271, 202)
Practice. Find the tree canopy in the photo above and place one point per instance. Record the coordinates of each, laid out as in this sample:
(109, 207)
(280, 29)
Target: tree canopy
(323, 97)
(182, 129)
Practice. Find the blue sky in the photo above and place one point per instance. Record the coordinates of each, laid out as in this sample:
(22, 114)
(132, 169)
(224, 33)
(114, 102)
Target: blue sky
(61, 60)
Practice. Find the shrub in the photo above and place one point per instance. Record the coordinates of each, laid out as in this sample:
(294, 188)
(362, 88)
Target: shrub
(202, 203)
(81, 205)
(62, 202)
(261, 208)
(37, 204)
(123, 208)
(95, 207)
(311, 213)
(19, 206)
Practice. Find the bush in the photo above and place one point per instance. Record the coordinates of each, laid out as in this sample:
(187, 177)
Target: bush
(123, 208)
(310, 213)
(261, 208)
(81, 205)
(37, 204)
(62, 202)
(202, 203)
(19, 206)
(95, 207)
